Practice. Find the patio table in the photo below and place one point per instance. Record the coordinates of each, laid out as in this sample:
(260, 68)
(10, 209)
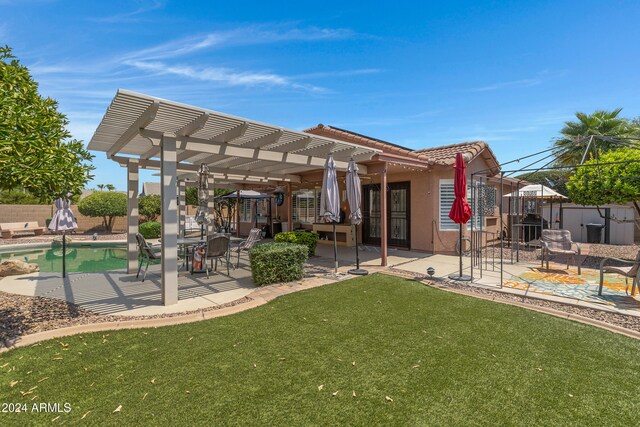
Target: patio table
(191, 241)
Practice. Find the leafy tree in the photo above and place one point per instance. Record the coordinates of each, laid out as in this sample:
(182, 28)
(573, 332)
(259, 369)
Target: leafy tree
(36, 149)
(105, 204)
(18, 197)
(554, 179)
(149, 207)
(617, 183)
(574, 140)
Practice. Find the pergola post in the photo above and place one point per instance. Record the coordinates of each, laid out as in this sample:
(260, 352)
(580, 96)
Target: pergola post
(168, 187)
(289, 207)
(238, 212)
(182, 207)
(132, 215)
(211, 206)
(383, 215)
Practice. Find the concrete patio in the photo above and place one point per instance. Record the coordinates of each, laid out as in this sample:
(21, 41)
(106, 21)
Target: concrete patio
(119, 293)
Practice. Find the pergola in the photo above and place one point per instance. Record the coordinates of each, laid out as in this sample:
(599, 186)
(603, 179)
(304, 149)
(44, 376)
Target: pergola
(141, 131)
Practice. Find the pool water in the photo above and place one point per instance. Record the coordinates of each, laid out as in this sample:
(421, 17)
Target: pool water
(80, 257)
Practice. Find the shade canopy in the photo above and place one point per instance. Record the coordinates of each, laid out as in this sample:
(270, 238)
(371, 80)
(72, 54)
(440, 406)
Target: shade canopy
(235, 149)
(63, 218)
(460, 211)
(246, 194)
(538, 191)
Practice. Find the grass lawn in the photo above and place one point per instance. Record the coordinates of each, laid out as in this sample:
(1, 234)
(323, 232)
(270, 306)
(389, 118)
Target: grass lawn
(374, 350)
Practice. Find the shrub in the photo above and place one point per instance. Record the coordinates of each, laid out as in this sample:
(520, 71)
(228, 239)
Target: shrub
(149, 207)
(277, 262)
(301, 237)
(105, 204)
(150, 230)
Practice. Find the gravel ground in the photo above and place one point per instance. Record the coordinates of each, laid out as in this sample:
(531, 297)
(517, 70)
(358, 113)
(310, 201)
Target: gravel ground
(622, 320)
(45, 238)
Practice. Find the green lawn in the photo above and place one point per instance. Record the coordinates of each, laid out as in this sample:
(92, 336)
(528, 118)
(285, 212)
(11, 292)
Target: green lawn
(440, 358)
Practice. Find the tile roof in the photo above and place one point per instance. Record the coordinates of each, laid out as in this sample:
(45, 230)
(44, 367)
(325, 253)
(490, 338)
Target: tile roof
(444, 155)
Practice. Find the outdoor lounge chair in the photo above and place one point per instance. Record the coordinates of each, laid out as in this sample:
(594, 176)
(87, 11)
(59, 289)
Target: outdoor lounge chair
(145, 253)
(217, 248)
(630, 271)
(558, 242)
(254, 237)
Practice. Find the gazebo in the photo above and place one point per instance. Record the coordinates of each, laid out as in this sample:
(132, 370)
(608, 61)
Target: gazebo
(141, 131)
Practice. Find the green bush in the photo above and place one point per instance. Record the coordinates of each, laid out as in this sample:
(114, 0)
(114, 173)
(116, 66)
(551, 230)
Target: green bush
(277, 262)
(150, 230)
(149, 207)
(301, 237)
(105, 204)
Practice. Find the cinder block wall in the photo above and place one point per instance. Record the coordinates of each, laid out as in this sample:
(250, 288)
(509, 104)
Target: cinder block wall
(39, 213)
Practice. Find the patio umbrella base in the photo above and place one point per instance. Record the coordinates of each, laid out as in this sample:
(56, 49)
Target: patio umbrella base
(459, 278)
(358, 272)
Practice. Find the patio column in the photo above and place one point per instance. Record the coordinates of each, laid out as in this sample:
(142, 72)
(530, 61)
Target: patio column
(132, 215)
(211, 205)
(289, 207)
(383, 215)
(181, 207)
(168, 197)
(238, 212)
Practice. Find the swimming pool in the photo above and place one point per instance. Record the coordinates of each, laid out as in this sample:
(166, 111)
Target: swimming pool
(80, 257)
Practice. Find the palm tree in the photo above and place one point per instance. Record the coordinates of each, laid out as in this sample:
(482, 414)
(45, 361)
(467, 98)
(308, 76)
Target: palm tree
(100, 187)
(575, 134)
(110, 187)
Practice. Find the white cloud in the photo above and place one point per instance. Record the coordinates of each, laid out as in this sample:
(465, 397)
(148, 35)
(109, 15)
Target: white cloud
(540, 78)
(243, 36)
(132, 16)
(222, 75)
(509, 85)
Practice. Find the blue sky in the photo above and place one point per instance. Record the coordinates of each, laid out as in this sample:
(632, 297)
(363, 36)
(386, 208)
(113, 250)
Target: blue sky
(418, 74)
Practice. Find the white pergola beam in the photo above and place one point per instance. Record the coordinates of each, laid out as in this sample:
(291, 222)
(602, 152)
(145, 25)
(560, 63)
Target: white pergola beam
(221, 149)
(231, 134)
(268, 139)
(191, 128)
(182, 167)
(140, 123)
(298, 144)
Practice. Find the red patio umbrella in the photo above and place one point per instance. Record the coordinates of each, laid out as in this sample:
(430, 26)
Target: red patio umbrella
(460, 211)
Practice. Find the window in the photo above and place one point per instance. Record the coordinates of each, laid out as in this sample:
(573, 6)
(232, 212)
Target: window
(245, 210)
(262, 210)
(306, 206)
(447, 196)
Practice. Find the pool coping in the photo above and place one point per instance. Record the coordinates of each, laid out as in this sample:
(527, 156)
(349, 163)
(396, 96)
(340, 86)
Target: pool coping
(37, 245)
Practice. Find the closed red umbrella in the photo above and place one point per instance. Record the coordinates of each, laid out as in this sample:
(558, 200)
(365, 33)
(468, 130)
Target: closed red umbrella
(460, 211)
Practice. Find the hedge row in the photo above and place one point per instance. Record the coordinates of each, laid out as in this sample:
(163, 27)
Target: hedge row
(277, 262)
(300, 237)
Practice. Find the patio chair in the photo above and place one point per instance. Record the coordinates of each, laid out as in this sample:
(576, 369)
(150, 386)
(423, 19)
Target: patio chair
(217, 248)
(145, 253)
(627, 272)
(558, 242)
(254, 237)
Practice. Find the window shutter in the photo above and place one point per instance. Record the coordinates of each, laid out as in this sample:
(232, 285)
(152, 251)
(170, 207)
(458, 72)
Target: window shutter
(447, 196)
